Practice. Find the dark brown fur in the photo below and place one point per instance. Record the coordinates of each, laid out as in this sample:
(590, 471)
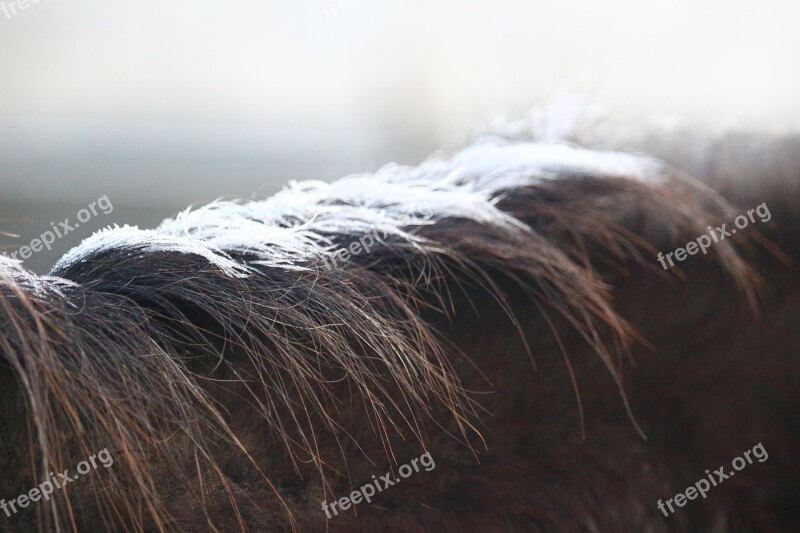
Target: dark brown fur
(561, 380)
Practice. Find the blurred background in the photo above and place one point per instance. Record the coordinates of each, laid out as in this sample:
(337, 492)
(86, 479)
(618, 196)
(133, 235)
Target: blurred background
(159, 105)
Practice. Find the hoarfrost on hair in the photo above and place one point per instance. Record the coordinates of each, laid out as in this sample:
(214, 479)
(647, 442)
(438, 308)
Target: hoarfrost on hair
(12, 273)
(149, 241)
(299, 223)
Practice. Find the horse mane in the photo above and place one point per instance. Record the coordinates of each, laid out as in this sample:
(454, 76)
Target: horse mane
(245, 344)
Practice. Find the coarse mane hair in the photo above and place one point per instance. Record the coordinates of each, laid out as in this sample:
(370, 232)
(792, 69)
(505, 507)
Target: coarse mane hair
(247, 360)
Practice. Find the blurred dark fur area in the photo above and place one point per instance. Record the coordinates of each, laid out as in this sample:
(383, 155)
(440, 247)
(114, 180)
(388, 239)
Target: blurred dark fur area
(560, 378)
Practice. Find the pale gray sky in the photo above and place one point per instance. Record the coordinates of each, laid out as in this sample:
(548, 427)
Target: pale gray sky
(166, 103)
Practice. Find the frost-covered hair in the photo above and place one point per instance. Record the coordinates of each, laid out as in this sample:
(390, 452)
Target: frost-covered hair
(240, 367)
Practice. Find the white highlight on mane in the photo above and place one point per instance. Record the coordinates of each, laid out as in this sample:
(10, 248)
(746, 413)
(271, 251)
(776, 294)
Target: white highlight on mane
(297, 224)
(149, 241)
(12, 273)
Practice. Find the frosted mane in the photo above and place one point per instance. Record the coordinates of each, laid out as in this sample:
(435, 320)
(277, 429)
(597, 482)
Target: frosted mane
(296, 224)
